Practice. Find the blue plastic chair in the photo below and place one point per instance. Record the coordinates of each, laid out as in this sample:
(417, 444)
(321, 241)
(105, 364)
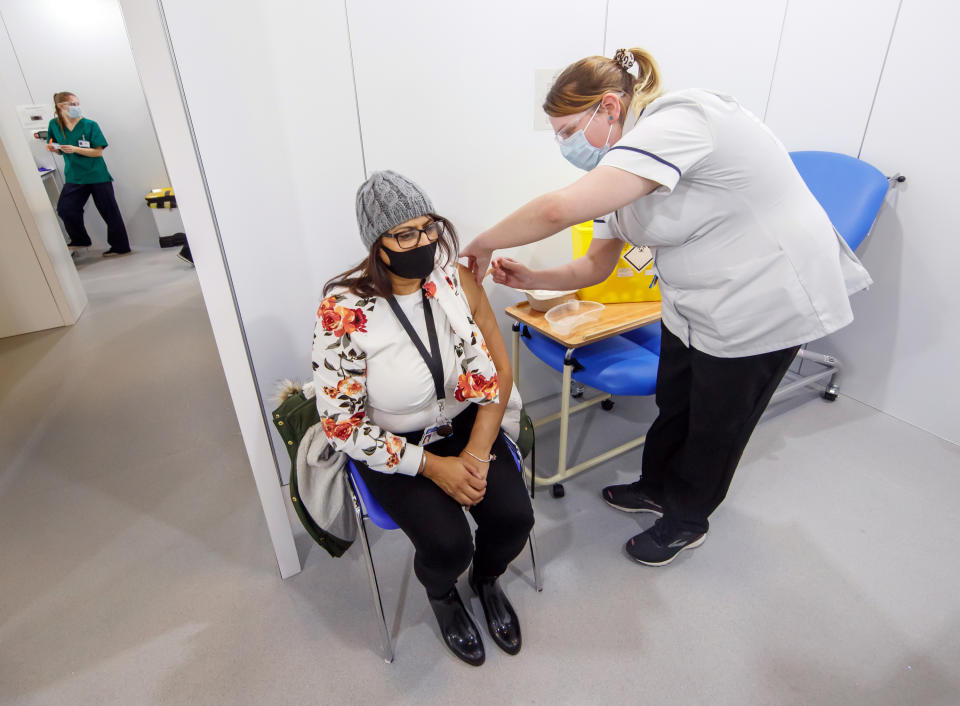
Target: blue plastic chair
(851, 192)
(624, 365)
(365, 507)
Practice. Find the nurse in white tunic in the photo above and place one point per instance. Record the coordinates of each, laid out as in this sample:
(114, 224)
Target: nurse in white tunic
(749, 268)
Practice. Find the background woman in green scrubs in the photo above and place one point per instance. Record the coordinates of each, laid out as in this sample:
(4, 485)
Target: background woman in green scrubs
(81, 142)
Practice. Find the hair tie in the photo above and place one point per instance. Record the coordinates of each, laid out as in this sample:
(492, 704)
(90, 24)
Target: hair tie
(624, 59)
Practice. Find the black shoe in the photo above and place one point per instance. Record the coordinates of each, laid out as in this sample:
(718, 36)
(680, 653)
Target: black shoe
(659, 546)
(115, 253)
(630, 498)
(501, 618)
(172, 241)
(457, 628)
(73, 247)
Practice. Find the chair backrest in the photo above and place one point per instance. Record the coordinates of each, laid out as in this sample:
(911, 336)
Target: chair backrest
(850, 190)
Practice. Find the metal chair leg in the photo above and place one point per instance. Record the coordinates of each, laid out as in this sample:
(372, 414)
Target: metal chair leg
(374, 587)
(537, 578)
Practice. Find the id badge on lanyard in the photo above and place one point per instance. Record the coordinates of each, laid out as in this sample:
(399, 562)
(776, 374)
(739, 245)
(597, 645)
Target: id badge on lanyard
(443, 426)
(82, 142)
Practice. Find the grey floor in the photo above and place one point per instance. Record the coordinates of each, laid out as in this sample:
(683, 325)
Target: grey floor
(135, 566)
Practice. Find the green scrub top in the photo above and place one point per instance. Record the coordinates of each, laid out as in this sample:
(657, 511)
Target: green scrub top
(80, 169)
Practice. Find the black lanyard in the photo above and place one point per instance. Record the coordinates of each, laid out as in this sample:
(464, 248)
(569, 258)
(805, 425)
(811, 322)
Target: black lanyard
(432, 359)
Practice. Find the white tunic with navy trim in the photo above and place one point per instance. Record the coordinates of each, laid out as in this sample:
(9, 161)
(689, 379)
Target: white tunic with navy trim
(748, 261)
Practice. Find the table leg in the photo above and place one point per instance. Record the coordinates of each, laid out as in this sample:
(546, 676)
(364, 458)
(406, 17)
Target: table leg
(516, 354)
(565, 411)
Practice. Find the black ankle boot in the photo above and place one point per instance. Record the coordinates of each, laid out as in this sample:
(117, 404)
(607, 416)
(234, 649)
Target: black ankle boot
(502, 620)
(457, 628)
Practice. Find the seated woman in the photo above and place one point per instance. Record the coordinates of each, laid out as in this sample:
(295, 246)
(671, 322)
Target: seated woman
(412, 380)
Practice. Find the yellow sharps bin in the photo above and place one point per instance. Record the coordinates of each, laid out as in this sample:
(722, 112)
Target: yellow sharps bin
(626, 283)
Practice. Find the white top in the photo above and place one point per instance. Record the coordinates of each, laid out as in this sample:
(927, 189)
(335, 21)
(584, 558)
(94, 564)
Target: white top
(748, 261)
(372, 385)
(400, 391)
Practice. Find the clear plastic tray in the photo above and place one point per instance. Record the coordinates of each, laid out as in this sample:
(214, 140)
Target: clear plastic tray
(565, 317)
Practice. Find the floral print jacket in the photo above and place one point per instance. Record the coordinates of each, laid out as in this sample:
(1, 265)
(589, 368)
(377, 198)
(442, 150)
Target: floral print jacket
(339, 372)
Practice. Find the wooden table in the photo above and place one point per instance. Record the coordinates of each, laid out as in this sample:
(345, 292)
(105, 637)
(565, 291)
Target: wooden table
(613, 320)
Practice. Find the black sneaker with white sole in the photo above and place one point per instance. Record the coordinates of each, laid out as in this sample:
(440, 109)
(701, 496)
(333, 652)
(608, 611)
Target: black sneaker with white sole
(659, 546)
(630, 498)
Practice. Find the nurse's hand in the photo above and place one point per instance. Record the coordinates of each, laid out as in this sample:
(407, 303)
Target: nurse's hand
(478, 258)
(512, 273)
(69, 149)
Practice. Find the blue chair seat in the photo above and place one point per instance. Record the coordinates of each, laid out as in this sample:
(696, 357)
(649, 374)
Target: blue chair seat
(377, 514)
(621, 365)
(850, 190)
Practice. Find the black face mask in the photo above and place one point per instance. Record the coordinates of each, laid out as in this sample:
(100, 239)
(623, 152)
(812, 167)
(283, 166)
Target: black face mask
(416, 263)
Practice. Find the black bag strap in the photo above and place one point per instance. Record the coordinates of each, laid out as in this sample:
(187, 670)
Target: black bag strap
(432, 359)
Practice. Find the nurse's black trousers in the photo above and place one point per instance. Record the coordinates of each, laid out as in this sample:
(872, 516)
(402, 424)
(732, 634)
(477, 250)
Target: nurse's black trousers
(70, 209)
(436, 523)
(708, 408)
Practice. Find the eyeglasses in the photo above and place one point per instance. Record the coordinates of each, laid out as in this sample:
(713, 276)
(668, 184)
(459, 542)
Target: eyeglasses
(409, 238)
(568, 130)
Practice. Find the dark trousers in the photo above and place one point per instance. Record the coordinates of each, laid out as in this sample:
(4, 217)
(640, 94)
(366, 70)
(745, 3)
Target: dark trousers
(70, 209)
(708, 408)
(437, 525)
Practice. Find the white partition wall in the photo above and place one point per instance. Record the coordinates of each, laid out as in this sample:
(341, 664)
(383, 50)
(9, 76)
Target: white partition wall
(904, 345)
(828, 67)
(447, 96)
(271, 99)
(159, 74)
(728, 46)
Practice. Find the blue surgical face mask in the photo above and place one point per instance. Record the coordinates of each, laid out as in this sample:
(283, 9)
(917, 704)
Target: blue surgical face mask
(74, 111)
(579, 152)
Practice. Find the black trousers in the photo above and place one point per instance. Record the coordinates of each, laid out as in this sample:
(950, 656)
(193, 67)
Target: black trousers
(70, 209)
(708, 408)
(437, 525)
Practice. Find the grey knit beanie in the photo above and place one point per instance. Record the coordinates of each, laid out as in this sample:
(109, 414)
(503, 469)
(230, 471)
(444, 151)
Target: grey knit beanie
(386, 200)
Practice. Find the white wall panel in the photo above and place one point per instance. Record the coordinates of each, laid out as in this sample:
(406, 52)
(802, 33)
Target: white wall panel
(26, 302)
(82, 46)
(271, 99)
(903, 347)
(159, 72)
(37, 220)
(728, 46)
(827, 71)
(455, 112)
(446, 94)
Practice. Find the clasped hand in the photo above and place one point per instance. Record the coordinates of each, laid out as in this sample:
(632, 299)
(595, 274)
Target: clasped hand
(461, 477)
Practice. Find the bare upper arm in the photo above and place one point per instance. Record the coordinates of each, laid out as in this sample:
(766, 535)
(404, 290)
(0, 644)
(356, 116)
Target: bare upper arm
(485, 319)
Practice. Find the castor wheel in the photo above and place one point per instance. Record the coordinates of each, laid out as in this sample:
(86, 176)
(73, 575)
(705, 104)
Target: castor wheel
(576, 390)
(606, 405)
(557, 490)
(831, 393)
